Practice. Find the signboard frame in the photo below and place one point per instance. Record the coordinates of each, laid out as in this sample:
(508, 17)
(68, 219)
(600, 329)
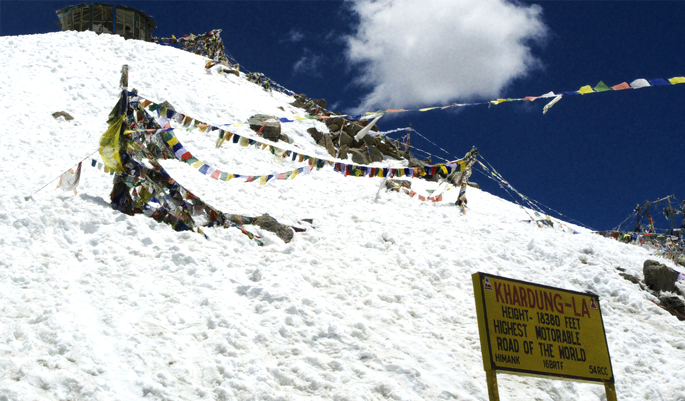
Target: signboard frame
(491, 365)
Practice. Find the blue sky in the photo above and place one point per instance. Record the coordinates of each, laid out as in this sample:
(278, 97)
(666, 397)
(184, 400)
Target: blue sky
(592, 157)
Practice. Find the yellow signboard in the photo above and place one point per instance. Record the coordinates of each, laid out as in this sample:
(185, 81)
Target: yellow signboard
(531, 329)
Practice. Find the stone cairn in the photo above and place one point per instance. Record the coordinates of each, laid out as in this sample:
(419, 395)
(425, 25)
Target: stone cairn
(339, 141)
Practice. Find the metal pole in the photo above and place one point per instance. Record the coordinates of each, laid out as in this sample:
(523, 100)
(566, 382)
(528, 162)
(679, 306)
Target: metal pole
(493, 391)
(610, 391)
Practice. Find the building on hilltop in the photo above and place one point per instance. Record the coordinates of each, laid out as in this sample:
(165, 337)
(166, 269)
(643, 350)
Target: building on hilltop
(107, 18)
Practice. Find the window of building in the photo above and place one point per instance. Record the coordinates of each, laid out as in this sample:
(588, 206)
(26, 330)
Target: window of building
(124, 23)
(102, 19)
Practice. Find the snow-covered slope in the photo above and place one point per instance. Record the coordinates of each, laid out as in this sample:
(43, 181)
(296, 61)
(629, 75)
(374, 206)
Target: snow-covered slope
(374, 301)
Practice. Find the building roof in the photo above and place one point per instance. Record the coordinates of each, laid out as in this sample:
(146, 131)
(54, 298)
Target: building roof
(143, 13)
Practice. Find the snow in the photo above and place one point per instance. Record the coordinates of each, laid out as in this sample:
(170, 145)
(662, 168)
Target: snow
(374, 301)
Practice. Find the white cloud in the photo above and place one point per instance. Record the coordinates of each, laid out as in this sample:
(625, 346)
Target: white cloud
(428, 52)
(294, 36)
(308, 64)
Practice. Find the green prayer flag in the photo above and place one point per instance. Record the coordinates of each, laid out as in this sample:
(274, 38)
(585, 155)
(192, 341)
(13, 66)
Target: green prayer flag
(601, 87)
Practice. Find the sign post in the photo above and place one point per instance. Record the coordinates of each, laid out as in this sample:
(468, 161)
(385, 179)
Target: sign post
(535, 330)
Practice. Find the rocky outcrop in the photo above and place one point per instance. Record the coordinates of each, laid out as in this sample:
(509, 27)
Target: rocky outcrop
(340, 142)
(272, 129)
(659, 277)
(660, 282)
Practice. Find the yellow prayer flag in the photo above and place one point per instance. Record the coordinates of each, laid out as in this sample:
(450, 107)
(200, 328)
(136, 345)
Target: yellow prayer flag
(293, 174)
(429, 108)
(197, 164)
(443, 168)
(109, 147)
(300, 118)
(173, 141)
(677, 80)
(229, 177)
(498, 101)
(586, 89)
(262, 179)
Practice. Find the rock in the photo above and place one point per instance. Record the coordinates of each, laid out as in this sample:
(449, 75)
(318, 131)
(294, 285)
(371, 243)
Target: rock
(268, 223)
(316, 134)
(370, 141)
(300, 100)
(232, 71)
(414, 162)
(64, 114)
(327, 142)
(285, 138)
(344, 140)
(321, 102)
(473, 185)
(353, 128)
(359, 157)
(334, 128)
(166, 104)
(272, 130)
(390, 184)
(375, 155)
(674, 304)
(630, 278)
(659, 277)
(342, 153)
(388, 149)
(337, 121)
